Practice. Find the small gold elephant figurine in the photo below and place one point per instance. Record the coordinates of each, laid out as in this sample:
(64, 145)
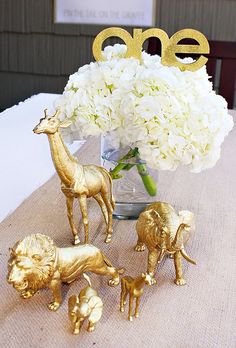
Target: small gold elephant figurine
(133, 287)
(164, 232)
(87, 305)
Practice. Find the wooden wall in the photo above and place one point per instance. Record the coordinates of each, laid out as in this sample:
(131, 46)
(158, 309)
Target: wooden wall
(37, 55)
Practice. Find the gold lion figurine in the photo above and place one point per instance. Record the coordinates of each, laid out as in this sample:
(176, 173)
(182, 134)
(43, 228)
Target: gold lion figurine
(36, 263)
(87, 305)
(164, 231)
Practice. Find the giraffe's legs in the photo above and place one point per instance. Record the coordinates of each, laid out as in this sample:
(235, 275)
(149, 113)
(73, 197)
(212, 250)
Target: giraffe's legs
(102, 206)
(83, 208)
(123, 295)
(69, 204)
(109, 210)
(136, 314)
(131, 300)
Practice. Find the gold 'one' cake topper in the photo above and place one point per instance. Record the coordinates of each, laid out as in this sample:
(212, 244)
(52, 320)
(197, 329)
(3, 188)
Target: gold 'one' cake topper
(170, 46)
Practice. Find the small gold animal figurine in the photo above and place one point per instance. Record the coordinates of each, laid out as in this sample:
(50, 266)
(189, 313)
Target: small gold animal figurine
(133, 287)
(36, 263)
(87, 305)
(78, 181)
(164, 231)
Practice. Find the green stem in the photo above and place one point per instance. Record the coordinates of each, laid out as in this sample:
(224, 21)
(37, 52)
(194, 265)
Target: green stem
(115, 171)
(147, 179)
(123, 166)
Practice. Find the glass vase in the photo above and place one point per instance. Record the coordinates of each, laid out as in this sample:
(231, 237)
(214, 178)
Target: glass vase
(134, 184)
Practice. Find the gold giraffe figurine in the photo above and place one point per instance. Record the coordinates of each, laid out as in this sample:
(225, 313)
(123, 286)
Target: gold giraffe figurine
(35, 263)
(164, 232)
(78, 181)
(87, 305)
(133, 287)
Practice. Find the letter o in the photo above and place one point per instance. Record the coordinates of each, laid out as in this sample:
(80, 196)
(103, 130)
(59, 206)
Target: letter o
(111, 32)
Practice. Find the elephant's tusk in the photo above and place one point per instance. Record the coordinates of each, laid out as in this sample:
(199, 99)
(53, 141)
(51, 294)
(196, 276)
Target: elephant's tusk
(185, 255)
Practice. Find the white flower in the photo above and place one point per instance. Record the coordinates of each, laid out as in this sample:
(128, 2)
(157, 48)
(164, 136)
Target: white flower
(172, 116)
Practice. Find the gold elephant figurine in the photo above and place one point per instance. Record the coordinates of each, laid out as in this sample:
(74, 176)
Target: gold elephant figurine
(165, 232)
(87, 305)
(35, 263)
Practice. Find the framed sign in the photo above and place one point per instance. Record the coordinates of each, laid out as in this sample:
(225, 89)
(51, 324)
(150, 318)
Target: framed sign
(106, 12)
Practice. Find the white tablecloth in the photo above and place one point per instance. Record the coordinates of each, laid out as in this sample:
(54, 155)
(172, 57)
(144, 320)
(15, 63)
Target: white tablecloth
(25, 157)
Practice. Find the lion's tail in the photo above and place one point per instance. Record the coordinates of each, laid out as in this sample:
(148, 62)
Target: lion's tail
(109, 264)
(106, 260)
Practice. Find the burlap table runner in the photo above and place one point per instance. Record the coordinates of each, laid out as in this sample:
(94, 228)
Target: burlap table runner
(200, 314)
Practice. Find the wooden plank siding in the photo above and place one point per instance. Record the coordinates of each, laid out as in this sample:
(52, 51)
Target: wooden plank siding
(37, 55)
(24, 85)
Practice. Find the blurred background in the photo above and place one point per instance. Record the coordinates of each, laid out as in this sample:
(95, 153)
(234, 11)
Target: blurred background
(37, 55)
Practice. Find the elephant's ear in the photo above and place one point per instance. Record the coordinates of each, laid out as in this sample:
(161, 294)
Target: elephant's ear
(95, 302)
(187, 217)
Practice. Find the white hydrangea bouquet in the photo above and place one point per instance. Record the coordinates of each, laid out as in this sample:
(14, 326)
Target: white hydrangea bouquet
(165, 116)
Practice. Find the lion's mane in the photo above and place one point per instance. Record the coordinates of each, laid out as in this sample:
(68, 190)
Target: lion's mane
(38, 251)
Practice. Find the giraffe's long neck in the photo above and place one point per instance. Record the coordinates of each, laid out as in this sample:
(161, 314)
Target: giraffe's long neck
(64, 163)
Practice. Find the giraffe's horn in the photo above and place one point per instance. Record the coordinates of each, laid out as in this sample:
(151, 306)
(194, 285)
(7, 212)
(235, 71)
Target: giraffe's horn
(45, 113)
(56, 113)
